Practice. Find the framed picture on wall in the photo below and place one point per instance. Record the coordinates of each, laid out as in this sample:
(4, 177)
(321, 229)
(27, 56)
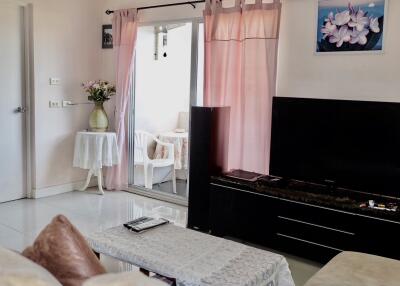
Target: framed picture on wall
(350, 25)
(107, 37)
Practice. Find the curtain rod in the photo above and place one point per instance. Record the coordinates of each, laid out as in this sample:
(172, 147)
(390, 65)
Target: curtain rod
(191, 3)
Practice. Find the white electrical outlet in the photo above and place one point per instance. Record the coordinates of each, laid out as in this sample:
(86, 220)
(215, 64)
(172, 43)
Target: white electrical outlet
(55, 81)
(54, 104)
(66, 103)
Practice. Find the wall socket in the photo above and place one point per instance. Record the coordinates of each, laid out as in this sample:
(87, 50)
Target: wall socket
(54, 104)
(66, 103)
(55, 81)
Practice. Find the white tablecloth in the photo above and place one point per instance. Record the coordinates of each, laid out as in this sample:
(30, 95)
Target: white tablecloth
(181, 144)
(93, 150)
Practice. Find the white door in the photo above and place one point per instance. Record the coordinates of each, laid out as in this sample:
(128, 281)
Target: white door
(12, 116)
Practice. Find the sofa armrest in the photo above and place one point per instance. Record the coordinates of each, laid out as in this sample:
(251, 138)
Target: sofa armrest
(358, 269)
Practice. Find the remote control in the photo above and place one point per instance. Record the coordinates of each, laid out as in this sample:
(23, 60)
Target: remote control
(144, 223)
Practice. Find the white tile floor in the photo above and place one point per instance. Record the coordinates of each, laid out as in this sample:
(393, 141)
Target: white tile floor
(21, 221)
(166, 187)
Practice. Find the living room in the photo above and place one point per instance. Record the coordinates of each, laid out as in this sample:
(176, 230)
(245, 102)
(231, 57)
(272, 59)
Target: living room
(266, 141)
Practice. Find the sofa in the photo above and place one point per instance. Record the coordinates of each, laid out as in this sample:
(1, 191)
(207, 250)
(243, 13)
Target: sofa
(358, 269)
(16, 270)
(61, 256)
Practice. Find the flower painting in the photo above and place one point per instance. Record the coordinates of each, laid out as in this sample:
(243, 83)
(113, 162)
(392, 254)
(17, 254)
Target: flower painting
(350, 25)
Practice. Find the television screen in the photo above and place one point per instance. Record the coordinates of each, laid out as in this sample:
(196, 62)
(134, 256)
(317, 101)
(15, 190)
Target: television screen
(355, 144)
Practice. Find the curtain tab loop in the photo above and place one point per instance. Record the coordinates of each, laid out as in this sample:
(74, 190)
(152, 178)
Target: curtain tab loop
(216, 5)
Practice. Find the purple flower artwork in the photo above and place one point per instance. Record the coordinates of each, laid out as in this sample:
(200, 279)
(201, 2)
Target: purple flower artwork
(350, 25)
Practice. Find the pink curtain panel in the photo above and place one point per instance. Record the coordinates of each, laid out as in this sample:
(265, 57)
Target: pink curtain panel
(240, 72)
(125, 35)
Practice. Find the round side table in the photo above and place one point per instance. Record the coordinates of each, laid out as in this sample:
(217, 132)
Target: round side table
(93, 151)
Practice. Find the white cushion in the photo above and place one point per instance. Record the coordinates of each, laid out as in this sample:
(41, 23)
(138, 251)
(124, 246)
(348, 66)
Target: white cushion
(16, 270)
(358, 269)
(124, 279)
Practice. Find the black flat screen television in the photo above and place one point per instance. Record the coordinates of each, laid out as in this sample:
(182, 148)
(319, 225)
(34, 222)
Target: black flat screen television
(353, 144)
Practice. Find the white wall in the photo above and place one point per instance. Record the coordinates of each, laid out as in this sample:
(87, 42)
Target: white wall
(301, 73)
(162, 86)
(67, 42)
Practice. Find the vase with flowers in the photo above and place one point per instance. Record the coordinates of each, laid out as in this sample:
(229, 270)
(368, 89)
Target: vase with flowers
(99, 92)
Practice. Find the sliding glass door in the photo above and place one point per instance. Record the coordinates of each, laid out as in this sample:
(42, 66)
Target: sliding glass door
(168, 80)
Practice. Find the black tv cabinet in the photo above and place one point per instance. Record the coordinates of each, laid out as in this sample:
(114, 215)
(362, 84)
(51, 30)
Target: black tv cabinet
(315, 224)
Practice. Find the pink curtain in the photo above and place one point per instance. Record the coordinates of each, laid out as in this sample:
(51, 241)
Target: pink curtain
(124, 34)
(240, 72)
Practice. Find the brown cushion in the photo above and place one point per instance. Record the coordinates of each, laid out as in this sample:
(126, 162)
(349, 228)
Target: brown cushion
(64, 252)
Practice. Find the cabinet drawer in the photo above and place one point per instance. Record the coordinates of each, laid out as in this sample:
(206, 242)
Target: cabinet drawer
(320, 234)
(320, 216)
(305, 248)
(379, 237)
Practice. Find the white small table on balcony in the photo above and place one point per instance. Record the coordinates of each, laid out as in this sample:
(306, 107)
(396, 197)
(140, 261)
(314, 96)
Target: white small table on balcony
(93, 151)
(181, 148)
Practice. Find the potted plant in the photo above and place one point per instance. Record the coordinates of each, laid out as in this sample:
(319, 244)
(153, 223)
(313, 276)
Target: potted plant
(99, 91)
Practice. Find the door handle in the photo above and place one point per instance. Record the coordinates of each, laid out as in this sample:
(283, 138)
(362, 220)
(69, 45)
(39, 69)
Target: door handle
(21, 110)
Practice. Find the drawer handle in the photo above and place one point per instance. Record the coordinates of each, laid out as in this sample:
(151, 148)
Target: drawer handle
(316, 225)
(309, 242)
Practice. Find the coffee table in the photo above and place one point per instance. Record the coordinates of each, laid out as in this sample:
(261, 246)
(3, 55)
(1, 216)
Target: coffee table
(192, 258)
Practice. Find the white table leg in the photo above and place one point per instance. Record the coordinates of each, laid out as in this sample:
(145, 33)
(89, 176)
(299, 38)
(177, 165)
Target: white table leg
(99, 175)
(100, 181)
(84, 188)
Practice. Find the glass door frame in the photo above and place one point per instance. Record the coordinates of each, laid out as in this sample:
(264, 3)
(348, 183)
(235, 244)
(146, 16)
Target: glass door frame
(140, 190)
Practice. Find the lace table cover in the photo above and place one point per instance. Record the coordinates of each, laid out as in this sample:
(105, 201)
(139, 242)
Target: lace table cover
(181, 148)
(193, 258)
(93, 150)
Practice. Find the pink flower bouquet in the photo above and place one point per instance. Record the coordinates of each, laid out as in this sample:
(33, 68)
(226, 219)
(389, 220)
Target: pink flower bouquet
(99, 91)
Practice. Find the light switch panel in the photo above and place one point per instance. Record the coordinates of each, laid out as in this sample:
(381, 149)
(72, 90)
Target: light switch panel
(55, 81)
(54, 104)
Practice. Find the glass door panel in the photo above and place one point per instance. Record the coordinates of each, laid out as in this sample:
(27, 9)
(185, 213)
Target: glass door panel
(160, 114)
